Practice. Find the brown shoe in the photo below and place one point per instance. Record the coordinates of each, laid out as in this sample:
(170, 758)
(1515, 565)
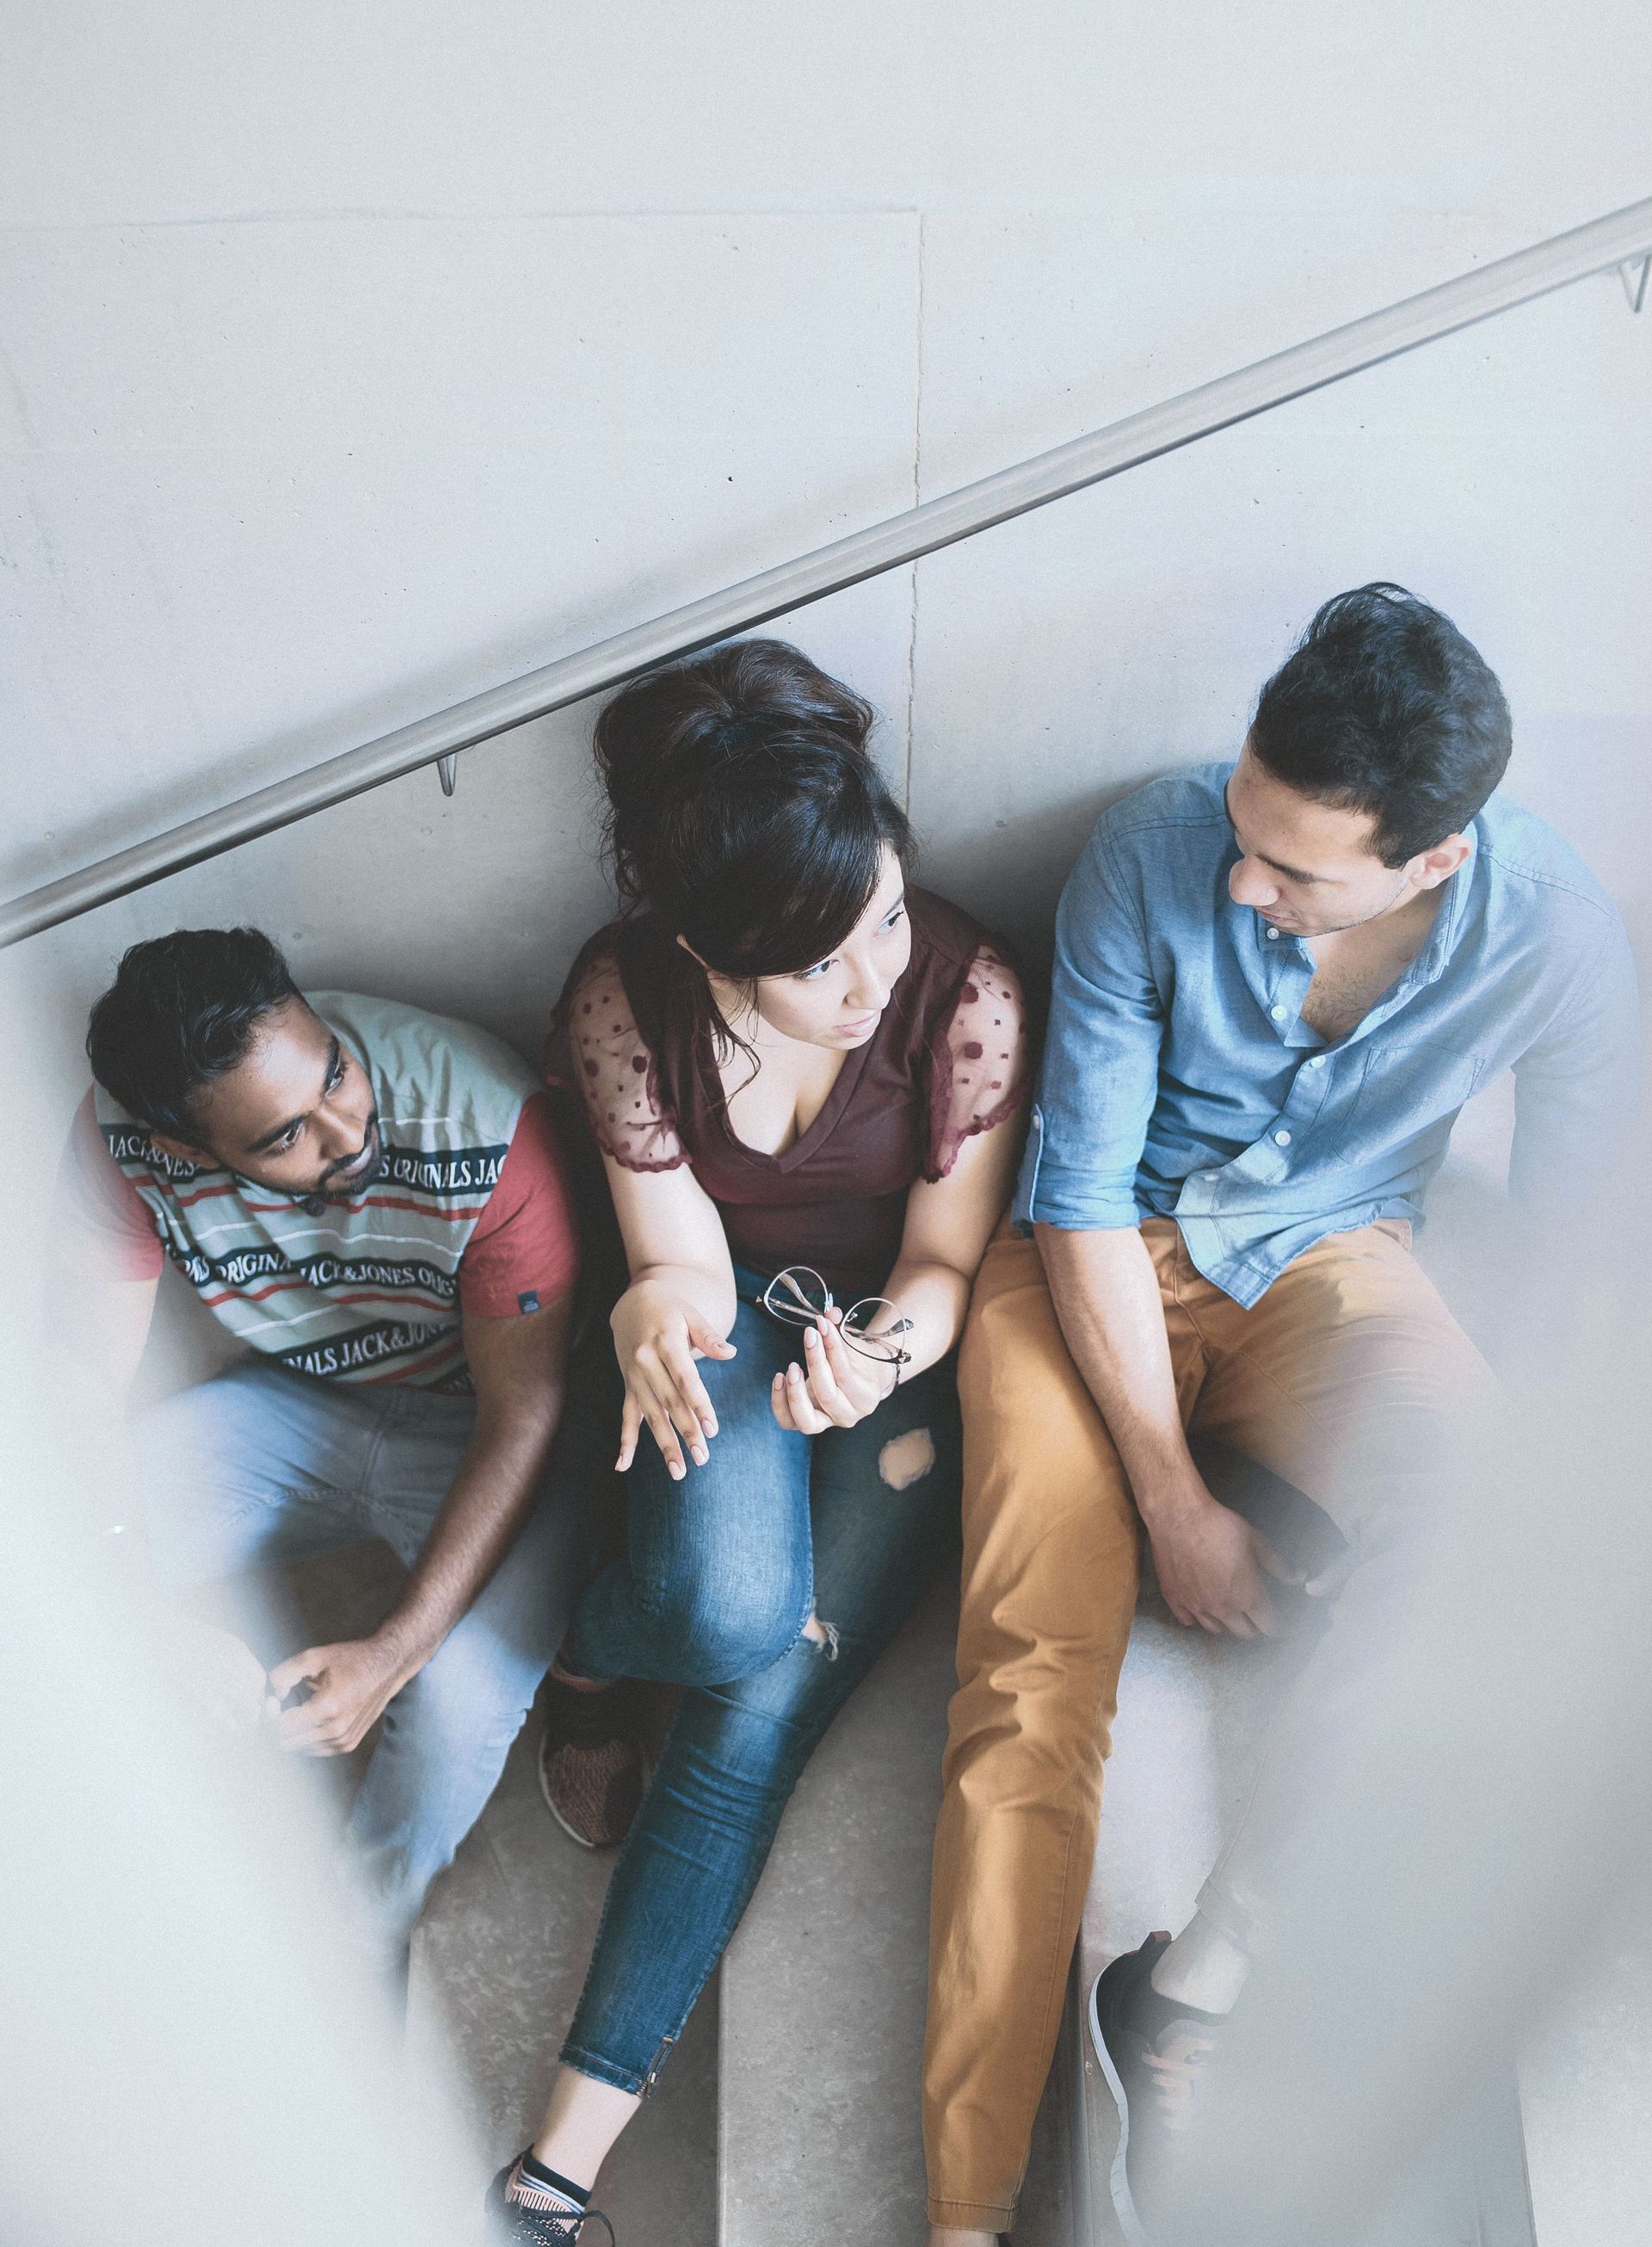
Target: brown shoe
(590, 1761)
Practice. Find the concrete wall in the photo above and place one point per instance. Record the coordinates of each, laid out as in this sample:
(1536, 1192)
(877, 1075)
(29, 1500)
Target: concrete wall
(360, 355)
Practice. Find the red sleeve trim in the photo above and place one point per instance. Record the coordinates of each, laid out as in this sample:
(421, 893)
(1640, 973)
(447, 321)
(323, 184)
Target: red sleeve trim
(103, 1229)
(524, 1253)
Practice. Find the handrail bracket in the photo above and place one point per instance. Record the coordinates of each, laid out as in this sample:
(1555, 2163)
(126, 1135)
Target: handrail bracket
(1634, 275)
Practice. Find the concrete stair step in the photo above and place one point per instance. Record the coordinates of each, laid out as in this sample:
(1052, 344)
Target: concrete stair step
(823, 1987)
(501, 1953)
(1192, 1714)
(497, 1965)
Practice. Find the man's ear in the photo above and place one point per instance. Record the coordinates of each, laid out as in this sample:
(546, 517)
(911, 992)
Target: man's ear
(181, 1152)
(1438, 864)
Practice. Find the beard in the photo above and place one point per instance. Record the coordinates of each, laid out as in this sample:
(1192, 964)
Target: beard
(1360, 920)
(334, 1186)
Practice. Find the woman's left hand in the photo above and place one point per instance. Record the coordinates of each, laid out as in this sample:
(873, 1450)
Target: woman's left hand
(834, 1387)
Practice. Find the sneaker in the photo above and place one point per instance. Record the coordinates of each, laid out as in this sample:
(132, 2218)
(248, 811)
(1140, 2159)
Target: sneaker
(590, 1761)
(524, 2225)
(1151, 2052)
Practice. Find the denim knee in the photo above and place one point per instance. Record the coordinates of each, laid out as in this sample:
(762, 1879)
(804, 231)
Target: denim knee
(467, 1697)
(715, 1637)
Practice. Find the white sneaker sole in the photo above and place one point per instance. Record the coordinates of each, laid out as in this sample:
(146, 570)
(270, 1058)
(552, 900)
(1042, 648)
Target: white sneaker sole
(583, 1841)
(1118, 2177)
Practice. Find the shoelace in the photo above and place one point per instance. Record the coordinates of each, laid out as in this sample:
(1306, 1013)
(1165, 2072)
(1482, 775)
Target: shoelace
(540, 2223)
(1176, 2074)
(556, 2228)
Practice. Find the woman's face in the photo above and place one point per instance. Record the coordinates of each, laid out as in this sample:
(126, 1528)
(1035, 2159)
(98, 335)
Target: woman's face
(837, 1002)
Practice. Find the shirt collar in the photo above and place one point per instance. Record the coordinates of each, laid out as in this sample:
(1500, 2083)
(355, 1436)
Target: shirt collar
(1446, 928)
(1430, 962)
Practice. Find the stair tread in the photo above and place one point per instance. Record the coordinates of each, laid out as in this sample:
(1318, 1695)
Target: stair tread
(497, 1964)
(825, 1985)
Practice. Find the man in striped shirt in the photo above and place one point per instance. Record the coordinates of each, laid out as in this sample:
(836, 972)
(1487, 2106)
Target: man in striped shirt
(371, 1199)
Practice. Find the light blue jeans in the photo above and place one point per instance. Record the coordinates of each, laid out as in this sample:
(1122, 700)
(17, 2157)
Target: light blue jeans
(261, 1464)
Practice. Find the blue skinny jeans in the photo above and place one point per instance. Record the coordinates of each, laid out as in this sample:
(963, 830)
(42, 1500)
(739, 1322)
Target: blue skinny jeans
(724, 1569)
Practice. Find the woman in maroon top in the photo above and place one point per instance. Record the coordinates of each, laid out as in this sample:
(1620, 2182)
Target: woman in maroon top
(800, 1076)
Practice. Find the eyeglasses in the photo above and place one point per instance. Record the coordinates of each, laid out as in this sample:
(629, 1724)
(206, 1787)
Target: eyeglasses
(799, 1297)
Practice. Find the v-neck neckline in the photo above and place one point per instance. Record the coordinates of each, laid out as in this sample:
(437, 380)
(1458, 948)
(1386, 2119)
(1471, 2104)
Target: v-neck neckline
(825, 1118)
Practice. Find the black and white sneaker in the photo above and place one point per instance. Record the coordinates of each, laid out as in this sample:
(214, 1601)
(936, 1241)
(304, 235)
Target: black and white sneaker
(535, 2218)
(1152, 2053)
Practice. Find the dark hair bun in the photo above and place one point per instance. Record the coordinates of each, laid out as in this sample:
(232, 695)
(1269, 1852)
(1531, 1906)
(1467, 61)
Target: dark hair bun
(743, 807)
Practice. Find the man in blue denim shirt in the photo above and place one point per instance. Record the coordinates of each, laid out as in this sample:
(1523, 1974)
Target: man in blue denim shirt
(1276, 983)
(1245, 1108)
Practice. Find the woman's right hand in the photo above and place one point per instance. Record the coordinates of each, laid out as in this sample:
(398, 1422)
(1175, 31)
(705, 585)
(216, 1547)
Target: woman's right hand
(657, 1337)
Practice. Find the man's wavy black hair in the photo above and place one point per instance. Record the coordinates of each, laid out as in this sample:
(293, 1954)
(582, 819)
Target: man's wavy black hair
(1385, 708)
(181, 1014)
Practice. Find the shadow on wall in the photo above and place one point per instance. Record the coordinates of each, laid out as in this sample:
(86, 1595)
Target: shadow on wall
(1011, 874)
(137, 815)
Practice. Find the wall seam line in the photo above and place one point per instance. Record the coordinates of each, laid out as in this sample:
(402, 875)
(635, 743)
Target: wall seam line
(918, 494)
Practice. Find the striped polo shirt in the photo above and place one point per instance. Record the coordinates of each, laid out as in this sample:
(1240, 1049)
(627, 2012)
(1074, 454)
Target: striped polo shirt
(468, 1212)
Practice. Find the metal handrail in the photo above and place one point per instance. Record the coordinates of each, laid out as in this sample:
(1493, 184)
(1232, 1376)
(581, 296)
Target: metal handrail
(1621, 241)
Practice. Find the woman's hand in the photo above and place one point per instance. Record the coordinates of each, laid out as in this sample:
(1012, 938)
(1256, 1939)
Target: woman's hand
(657, 1338)
(835, 1386)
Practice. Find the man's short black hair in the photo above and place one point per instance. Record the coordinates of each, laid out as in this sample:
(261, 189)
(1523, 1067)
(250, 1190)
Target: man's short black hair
(180, 1013)
(1385, 708)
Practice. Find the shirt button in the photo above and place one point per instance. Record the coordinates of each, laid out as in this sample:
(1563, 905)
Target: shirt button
(1278, 1013)
(1281, 1139)
(1317, 1061)
(1273, 936)
(1211, 1177)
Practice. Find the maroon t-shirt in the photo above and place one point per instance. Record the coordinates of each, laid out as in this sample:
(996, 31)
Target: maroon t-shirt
(943, 1063)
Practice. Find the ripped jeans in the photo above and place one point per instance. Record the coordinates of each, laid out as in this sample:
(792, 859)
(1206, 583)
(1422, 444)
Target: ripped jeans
(725, 1569)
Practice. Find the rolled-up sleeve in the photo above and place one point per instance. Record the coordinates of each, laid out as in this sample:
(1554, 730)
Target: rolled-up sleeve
(1578, 1090)
(1100, 1079)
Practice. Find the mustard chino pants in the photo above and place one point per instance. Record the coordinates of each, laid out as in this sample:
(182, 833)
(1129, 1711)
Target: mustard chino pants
(1333, 1380)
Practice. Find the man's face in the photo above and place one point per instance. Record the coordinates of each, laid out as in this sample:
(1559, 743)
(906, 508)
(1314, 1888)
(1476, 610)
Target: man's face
(1311, 869)
(297, 1113)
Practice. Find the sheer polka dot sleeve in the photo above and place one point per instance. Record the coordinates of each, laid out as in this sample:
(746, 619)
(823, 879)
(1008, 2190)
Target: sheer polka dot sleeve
(981, 1065)
(616, 1074)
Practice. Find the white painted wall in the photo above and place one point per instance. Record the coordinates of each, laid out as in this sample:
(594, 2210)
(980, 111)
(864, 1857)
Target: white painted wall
(358, 356)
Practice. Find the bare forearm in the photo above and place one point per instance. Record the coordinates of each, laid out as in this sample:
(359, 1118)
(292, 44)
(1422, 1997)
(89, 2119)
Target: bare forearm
(480, 1517)
(1107, 1298)
(935, 1298)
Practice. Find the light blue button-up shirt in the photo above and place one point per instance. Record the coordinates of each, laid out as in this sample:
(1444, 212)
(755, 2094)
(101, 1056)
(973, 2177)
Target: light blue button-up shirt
(1179, 1078)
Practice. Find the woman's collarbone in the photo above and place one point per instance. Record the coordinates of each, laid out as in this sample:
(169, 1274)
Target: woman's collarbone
(771, 1111)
